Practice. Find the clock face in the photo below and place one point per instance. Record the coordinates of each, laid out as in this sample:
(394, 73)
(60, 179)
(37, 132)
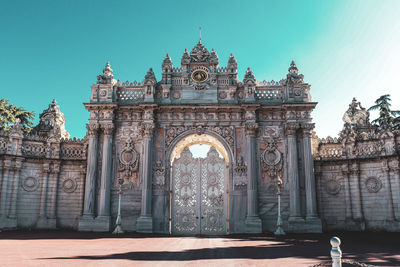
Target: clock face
(199, 76)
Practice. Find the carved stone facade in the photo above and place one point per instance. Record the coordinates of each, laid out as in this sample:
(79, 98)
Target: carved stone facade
(141, 131)
(357, 175)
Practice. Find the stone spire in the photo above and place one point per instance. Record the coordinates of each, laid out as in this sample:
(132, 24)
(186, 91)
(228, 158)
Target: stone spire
(199, 53)
(107, 76)
(167, 63)
(293, 76)
(213, 57)
(52, 122)
(232, 63)
(249, 76)
(185, 57)
(293, 68)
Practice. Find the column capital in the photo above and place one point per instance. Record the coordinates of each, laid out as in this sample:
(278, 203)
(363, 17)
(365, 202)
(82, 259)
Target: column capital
(92, 129)
(18, 165)
(107, 129)
(56, 168)
(307, 128)
(148, 129)
(291, 127)
(251, 128)
(46, 167)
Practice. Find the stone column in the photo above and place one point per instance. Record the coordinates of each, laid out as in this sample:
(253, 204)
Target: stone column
(91, 171)
(391, 215)
(42, 222)
(253, 221)
(104, 213)
(356, 204)
(293, 173)
(7, 165)
(86, 221)
(347, 194)
(311, 202)
(52, 195)
(145, 221)
(14, 193)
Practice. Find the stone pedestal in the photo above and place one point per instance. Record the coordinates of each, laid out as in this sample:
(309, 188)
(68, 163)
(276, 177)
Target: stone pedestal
(46, 223)
(99, 224)
(144, 224)
(253, 225)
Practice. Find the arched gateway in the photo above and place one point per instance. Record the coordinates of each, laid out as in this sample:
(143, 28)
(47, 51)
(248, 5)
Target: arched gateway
(141, 130)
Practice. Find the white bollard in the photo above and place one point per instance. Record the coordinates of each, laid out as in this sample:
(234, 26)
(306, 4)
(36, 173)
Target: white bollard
(336, 253)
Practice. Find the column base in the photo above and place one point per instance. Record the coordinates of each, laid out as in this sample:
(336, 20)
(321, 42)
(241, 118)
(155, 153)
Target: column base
(46, 223)
(253, 225)
(8, 223)
(144, 224)
(90, 224)
(301, 225)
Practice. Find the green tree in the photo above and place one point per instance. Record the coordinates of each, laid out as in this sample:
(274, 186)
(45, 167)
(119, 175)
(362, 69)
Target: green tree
(387, 117)
(9, 113)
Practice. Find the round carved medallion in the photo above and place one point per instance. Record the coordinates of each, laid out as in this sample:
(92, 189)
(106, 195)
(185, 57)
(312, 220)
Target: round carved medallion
(199, 76)
(223, 94)
(30, 184)
(332, 187)
(69, 185)
(176, 95)
(271, 158)
(373, 184)
(103, 92)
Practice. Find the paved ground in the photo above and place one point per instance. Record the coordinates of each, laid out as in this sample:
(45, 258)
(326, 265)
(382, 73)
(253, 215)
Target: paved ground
(59, 248)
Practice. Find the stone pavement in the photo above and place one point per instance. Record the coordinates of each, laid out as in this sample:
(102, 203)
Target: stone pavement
(60, 248)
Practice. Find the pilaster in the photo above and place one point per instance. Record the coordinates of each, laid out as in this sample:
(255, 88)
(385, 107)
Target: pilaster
(4, 197)
(52, 196)
(104, 215)
(42, 222)
(87, 219)
(144, 223)
(253, 221)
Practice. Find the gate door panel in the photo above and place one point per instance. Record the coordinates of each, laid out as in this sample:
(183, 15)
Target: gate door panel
(185, 209)
(213, 211)
(198, 197)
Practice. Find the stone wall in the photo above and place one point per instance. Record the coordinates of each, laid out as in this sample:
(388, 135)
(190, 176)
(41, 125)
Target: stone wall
(42, 181)
(357, 175)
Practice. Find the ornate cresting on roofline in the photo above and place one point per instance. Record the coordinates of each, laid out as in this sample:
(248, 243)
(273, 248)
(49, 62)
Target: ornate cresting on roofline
(201, 80)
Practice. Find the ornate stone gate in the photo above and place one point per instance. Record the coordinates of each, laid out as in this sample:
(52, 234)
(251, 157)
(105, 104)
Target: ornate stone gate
(264, 130)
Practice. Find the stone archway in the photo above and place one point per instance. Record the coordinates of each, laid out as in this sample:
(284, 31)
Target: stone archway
(199, 188)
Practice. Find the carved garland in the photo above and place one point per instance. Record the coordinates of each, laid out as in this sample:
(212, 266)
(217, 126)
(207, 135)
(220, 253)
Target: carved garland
(128, 159)
(158, 175)
(240, 175)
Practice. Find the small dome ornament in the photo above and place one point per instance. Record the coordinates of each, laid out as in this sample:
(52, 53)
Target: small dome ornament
(293, 77)
(107, 76)
(185, 57)
(249, 76)
(232, 63)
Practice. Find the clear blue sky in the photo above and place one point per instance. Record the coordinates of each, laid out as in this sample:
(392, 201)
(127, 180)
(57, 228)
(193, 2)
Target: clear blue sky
(55, 49)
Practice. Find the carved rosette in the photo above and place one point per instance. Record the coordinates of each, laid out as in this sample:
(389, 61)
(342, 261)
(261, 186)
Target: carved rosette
(333, 187)
(128, 159)
(92, 129)
(373, 184)
(158, 175)
(271, 157)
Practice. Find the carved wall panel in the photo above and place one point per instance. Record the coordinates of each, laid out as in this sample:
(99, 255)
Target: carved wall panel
(128, 160)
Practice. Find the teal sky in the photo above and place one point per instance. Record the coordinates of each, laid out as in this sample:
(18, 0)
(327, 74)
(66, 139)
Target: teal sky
(55, 49)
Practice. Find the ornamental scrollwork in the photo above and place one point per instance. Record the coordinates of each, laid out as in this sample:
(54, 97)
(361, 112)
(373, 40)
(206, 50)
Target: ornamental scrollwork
(128, 159)
(271, 157)
(158, 175)
(240, 175)
(225, 132)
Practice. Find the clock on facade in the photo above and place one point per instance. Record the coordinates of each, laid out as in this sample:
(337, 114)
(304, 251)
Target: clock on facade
(199, 76)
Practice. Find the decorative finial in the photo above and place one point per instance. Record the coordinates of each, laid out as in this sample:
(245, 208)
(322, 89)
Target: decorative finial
(54, 102)
(200, 36)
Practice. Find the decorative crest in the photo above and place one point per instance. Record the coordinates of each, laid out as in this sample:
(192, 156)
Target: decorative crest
(249, 76)
(293, 77)
(213, 57)
(199, 53)
(150, 75)
(167, 62)
(185, 57)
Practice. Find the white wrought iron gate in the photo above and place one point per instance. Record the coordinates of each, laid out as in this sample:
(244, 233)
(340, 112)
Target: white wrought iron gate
(199, 194)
